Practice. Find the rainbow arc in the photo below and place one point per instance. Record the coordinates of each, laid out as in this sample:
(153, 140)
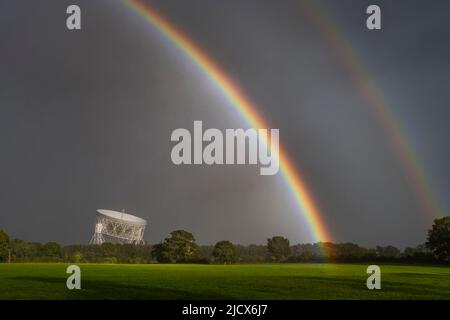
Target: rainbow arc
(247, 109)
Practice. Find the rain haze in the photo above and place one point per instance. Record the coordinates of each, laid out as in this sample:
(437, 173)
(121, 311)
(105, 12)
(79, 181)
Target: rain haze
(86, 118)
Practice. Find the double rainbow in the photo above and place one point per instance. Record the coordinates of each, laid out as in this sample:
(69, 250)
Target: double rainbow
(248, 111)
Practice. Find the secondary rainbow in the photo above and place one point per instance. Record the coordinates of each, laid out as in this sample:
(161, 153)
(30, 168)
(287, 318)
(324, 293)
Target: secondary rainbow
(246, 109)
(365, 83)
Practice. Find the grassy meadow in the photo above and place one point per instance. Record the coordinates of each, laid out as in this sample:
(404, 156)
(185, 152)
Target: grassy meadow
(250, 281)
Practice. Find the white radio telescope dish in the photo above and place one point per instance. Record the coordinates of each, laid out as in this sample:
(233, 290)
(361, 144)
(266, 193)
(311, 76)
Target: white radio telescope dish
(118, 227)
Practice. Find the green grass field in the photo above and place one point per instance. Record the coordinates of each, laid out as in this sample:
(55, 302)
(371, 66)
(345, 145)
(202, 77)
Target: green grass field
(257, 281)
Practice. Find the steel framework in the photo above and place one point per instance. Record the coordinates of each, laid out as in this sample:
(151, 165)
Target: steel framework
(118, 227)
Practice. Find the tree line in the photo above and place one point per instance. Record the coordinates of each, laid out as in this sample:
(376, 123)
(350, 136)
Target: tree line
(180, 247)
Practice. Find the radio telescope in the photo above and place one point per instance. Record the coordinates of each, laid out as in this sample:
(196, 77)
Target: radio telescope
(118, 227)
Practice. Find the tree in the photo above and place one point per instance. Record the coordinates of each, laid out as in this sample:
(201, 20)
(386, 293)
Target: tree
(350, 252)
(438, 240)
(251, 253)
(418, 254)
(303, 252)
(179, 247)
(4, 246)
(76, 257)
(24, 251)
(388, 252)
(51, 249)
(278, 248)
(160, 253)
(224, 252)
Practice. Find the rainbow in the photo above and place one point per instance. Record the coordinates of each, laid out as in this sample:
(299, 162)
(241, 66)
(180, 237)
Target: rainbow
(248, 111)
(364, 82)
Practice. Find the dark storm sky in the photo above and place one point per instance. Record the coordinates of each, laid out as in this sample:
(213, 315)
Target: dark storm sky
(86, 118)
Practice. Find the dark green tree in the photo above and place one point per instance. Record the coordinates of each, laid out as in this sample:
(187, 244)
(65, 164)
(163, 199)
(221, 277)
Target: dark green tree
(388, 252)
(224, 252)
(25, 251)
(418, 254)
(51, 249)
(160, 253)
(4, 246)
(350, 252)
(438, 240)
(179, 247)
(76, 257)
(278, 248)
